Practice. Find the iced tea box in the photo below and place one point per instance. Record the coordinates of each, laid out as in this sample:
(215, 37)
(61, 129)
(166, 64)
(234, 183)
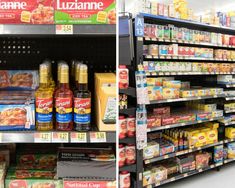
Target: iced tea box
(85, 12)
(26, 12)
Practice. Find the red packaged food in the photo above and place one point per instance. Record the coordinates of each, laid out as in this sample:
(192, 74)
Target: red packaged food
(125, 179)
(123, 77)
(232, 41)
(122, 155)
(122, 127)
(162, 111)
(131, 126)
(130, 154)
(27, 11)
(168, 121)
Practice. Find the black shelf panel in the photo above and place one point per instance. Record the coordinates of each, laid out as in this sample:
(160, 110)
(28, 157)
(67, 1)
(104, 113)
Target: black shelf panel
(129, 168)
(129, 111)
(128, 140)
(189, 23)
(96, 29)
(148, 161)
(131, 91)
(185, 99)
(182, 124)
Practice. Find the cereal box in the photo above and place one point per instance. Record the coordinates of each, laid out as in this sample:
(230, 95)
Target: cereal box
(26, 12)
(85, 12)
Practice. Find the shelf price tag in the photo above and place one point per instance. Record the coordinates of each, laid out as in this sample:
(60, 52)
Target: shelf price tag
(1, 138)
(97, 137)
(64, 29)
(60, 137)
(78, 137)
(42, 137)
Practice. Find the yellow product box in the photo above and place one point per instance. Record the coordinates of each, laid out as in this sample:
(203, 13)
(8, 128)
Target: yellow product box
(147, 178)
(212, 125)
(212, 136)
(171, 93)
(154, 8)
(201, 92)
(187, 93)
(217, 113)
(159, 174)
(151, 150)
(105, 101)
(201, 139)
(151, 81)
(192, 139)
(230, 132)
(172, 84)
(209, 107)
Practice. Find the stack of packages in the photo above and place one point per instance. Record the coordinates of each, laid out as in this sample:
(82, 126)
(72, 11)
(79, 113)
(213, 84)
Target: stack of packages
(17, 109)
(34, 168)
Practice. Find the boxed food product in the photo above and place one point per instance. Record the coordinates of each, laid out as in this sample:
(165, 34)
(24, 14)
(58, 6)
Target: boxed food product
(201, 116)
(231, 150)
(162, 111)
(172, 84)
(19, 79)
(202, 160)
(26, 12)
(85, 12)
(172, 167)
(166, 147)
(105, 101)
(17, 116)
(186, 163)
(151, 150)
(211, 136)
(218, 153)
(230, 132)
(217, 113)
(31, 178)
(147, 178)
(159, 173)
(153, 121)
(171, 93)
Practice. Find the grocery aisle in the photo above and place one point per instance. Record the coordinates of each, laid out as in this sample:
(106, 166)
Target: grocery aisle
(211, 178)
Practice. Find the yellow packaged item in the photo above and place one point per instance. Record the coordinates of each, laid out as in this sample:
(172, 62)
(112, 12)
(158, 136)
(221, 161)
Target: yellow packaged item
(230, 132)
(105, 87)
(212, 136)
(201, 139)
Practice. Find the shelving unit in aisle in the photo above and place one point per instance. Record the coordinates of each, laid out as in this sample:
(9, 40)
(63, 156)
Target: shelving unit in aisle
(160, 67)
(25, 47)
(127, 104)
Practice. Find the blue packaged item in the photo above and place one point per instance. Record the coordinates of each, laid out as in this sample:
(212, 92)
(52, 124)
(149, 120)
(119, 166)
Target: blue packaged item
(19, 80)
(218, 154)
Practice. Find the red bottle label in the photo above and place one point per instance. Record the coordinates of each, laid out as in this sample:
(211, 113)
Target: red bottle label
(64, 110)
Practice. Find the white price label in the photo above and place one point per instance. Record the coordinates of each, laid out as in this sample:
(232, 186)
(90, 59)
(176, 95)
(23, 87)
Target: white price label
(78, 137)
(97, 137)
(60, 137)
(64, 29)
(42, 137)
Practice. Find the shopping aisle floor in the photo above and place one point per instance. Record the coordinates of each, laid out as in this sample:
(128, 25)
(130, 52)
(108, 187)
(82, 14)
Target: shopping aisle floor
(225, 178)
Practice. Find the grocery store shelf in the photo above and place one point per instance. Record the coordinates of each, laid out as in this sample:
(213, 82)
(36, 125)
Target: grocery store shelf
(129, 140)
(187, 73)
(131, 91)
(226, 85)
(203, 44)
(229, 111)
(181, 124)
(184, 175)
(129, 168)
(85, 29)
(228, 124)
(228, 140)
(229, 98)
(128, 111)
(154, 57)
(185, 99)
(183, 152)
(57, 137)
(198, 25)
(228, 161)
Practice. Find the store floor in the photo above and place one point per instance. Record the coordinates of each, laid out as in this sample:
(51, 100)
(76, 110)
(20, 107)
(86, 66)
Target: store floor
(223, 179)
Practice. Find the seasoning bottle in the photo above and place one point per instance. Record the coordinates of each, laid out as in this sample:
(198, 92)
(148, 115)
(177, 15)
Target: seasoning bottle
(44, 101)
(82, 100)
(64, 101)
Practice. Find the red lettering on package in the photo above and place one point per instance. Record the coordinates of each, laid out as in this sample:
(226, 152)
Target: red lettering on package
(64, 102)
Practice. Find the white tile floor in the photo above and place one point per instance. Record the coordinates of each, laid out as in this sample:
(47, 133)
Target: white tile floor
(225, 178)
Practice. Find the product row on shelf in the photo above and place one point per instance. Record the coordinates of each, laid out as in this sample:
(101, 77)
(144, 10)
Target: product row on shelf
(55, 166)
(32, 101)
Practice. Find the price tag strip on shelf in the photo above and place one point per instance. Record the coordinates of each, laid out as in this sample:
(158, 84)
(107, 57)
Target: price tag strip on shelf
(76, 137)
(141, 88)
(42, 137)
(64, 29)
(60, 137)
(141, 128)
(98, 137)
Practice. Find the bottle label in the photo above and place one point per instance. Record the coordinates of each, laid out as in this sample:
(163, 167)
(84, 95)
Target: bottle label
(64, 110)
(44, 109)
(82, 110)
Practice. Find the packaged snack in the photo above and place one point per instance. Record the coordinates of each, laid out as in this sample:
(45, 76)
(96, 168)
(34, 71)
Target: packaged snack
(153, 49)
(123, 77)
(231, 150)
(172, 84)
(186, 163)
(162, 111)
(151, 150)
(171, 93)
(19, 80)
(27, 12)
(93, 12)
(202, 160)
(230, 132)
(218, 154)
(147, 178)
(159, 173)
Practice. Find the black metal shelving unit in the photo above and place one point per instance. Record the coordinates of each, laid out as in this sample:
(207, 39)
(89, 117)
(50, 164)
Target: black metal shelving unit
(139, 41)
